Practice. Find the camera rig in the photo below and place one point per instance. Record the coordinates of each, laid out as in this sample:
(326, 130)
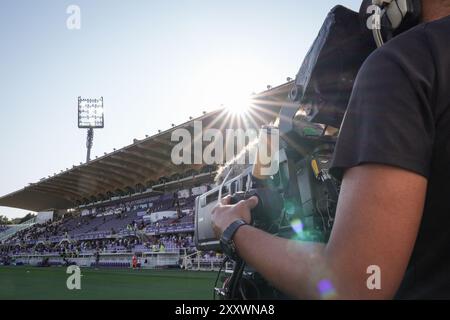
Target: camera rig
(299, 201)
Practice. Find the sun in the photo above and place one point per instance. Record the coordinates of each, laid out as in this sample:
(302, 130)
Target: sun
(226, 81)
(238, 105)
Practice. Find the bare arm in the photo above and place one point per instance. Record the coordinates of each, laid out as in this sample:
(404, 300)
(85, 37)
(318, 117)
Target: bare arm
(377, 221)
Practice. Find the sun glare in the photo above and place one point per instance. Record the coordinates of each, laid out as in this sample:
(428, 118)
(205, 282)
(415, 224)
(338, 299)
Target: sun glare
(239, 105)
(228, 82)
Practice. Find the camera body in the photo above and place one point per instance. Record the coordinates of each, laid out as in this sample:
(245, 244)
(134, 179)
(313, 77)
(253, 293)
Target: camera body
(302, 190)
(265, 216)
(297, 203)
(205, 239)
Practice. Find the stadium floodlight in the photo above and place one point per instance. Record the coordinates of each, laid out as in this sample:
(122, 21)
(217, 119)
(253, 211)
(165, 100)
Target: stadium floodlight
(90, 116)
(90, 113)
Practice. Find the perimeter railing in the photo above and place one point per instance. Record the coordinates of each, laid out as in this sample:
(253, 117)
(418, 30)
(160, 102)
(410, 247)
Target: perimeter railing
(16, 228)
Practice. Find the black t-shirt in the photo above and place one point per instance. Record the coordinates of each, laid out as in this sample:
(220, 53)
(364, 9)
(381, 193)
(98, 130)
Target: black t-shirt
(399, 115)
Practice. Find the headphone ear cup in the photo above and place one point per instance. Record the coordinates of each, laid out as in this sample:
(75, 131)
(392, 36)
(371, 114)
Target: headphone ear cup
(364, 16)
(412, 17)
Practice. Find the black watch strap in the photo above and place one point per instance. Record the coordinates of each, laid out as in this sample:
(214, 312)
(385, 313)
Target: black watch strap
(226, 241)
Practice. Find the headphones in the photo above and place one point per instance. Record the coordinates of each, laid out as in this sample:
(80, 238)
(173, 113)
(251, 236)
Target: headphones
(388, 18)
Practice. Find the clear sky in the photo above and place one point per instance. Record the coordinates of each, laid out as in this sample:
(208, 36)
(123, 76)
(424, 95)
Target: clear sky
(154, 62)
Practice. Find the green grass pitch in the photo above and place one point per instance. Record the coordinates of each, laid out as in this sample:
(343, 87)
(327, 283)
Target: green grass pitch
(50, 283)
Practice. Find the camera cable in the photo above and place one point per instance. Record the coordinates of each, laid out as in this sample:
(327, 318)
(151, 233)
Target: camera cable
(223, 264)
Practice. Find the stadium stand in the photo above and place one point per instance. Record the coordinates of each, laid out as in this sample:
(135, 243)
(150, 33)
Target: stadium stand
(13, 229)
(161, 224)
(133, 201)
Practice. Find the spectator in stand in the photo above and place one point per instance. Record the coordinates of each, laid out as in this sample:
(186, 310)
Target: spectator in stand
(134, 261)
(97, 259)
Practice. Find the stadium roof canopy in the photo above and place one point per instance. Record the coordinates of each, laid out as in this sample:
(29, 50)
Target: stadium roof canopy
(137, 166)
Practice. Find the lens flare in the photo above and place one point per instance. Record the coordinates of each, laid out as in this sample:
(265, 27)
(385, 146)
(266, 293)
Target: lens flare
(297, 226)
(326, 289)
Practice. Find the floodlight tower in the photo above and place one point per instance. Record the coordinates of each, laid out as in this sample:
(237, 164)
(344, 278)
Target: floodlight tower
(90, 116)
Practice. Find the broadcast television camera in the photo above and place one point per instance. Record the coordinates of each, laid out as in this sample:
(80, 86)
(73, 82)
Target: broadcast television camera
(299, 201)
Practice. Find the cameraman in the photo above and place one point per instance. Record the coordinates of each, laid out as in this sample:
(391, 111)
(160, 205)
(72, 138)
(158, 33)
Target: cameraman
(393, 156)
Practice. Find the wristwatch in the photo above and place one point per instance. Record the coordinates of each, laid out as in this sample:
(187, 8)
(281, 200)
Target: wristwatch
(226, 240)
